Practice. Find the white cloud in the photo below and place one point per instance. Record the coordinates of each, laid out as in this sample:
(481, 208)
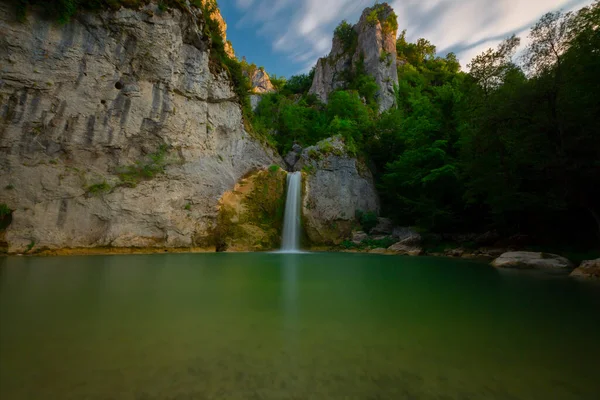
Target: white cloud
(303, 29)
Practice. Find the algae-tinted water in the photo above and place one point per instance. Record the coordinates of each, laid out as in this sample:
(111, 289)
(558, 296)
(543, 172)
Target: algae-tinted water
(279, 326)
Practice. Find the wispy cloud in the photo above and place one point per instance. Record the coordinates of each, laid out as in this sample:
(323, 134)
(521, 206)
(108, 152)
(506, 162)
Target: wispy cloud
(303, 29)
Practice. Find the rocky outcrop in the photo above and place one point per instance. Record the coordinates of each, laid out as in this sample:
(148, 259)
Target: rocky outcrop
(530, 260)
(588, 270)
(293, 156)
(114, 131)
(251, 215)
(409, 242)
(261, 83)
(374, 46)
(401, 248)
(336, 185)
(215, 15)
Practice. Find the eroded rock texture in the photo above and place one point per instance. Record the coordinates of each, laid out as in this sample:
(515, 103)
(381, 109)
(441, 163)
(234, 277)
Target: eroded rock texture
(336, 185)
(92, 111)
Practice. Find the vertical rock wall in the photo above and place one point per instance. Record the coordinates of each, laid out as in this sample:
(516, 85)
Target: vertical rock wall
(115, 132)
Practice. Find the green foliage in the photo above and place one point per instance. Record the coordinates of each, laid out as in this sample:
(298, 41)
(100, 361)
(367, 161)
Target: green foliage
(278, 82)
(389, 23)
(4, 210)
(30, 246)
(309, 169)
(188, 207)
(10, 186)
(298, 84)
(152, 165)
(368, 220)
(346, 34)
(98, 189)
(274, 168)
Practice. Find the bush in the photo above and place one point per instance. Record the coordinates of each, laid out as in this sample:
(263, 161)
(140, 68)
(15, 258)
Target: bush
(98, 189)
(154, 164)
(368, 220)
(4, 210)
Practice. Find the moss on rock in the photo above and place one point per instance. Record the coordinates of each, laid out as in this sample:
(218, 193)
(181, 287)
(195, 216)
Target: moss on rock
(251, 215)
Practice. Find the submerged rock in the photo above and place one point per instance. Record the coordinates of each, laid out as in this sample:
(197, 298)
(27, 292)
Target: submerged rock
(588, 270)
(336, 185)
(531, 260)
(374, 46)
(116, 130)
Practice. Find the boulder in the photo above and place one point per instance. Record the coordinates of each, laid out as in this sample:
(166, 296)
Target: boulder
(293, 156)
(255, 101)
(403, 249)
(406, 235)
(532, 260)
(358, 237)
(588, 270)
(384, 227)
(454, 252)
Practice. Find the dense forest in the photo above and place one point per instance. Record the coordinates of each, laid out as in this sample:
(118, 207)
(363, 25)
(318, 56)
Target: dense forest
(512, 145)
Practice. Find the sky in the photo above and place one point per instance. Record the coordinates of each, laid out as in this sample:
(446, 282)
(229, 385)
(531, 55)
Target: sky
(288, 36)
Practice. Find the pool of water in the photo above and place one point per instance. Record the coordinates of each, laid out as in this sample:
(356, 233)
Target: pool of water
(292, 326)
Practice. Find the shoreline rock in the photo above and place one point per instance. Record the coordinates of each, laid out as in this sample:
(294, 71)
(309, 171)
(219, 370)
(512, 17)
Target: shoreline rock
(589, 269)
(525, 260)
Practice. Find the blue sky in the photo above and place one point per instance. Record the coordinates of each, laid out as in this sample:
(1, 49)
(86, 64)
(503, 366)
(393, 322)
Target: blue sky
(288, 36)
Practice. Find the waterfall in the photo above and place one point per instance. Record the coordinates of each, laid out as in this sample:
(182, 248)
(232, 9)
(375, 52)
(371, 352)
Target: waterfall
(291, 222)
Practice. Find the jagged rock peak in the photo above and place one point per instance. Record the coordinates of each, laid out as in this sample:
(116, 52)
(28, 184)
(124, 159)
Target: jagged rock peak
(261, 83)
(260, 80)
(373, 41)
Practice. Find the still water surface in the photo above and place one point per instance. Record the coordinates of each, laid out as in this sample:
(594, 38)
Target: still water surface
(292, 326)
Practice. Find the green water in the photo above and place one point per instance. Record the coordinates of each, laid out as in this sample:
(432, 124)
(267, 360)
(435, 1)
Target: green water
(272, 326)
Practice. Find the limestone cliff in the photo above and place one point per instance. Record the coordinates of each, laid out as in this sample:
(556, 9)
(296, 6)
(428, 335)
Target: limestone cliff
(372, 42)
(115, 132)
(336, 185)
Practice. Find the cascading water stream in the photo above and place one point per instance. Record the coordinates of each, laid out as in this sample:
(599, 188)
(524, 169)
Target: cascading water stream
(291, 222)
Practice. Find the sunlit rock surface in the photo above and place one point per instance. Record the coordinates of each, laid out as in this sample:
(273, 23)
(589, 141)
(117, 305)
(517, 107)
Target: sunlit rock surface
(113, 91)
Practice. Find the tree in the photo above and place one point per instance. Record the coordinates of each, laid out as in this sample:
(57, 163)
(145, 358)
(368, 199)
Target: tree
(489, 68)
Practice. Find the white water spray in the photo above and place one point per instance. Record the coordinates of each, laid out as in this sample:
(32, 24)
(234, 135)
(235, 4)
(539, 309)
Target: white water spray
(291, 222)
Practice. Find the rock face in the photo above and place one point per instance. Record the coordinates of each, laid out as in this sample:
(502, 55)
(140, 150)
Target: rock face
(588, 270)
(375, 45)
(114, 132)
(251, 215)
(531, 260)
(261, 83)
(215, 15)
(336, 185)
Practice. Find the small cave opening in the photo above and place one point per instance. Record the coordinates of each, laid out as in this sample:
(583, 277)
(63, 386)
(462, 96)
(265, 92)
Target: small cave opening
(119, 85)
